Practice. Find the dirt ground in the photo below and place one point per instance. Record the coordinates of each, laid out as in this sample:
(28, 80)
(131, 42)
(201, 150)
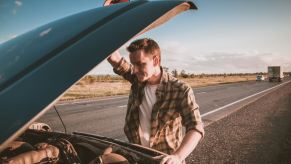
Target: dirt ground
(86, 90)
(258, 133)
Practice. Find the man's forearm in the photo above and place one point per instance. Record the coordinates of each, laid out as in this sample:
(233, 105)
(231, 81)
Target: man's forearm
(188, 144)
(114, 59)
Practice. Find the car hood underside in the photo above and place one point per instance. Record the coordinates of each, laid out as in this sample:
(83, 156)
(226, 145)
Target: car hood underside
(36, 68)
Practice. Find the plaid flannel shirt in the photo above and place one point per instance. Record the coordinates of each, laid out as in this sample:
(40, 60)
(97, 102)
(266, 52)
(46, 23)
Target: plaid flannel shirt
(175, 107)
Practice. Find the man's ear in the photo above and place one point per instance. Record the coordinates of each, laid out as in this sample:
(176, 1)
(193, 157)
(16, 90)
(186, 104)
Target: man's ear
(156, 60)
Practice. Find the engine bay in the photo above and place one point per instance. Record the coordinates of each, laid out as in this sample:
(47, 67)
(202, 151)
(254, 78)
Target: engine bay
(36, 146)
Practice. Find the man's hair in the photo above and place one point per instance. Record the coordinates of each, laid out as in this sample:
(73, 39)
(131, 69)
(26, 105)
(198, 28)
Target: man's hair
(148, 45)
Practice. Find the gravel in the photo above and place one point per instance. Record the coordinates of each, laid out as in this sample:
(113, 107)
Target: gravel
(258, 133)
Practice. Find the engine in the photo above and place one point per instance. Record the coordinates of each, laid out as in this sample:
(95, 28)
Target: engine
(48, 147)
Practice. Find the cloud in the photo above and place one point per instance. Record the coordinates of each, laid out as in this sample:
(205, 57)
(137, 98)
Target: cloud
(178, 56)
(173, 47)
(18, 3)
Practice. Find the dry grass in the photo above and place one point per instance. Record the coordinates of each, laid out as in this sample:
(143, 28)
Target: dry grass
(85, 90)
(96, 89)
(207, 81)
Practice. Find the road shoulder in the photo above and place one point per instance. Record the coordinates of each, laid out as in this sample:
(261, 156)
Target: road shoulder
(260, 132)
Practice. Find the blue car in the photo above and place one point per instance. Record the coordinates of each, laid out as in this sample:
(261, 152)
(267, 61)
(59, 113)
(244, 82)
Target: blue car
(49, 55)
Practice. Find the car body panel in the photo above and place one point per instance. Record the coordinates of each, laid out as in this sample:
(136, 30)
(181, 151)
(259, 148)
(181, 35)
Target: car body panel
(36, 68)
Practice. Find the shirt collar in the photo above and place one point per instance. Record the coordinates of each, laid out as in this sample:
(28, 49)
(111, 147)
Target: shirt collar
(162, 86)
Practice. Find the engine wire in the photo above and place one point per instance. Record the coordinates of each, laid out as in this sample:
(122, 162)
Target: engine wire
(61, 119)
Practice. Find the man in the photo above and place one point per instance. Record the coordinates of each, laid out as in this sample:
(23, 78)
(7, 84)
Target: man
(158, 104)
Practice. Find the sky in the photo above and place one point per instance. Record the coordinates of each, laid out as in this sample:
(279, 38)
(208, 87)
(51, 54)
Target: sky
(222, 36)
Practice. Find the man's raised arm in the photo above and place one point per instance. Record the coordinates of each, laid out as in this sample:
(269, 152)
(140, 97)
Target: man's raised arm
(114, 59)
(121, 66)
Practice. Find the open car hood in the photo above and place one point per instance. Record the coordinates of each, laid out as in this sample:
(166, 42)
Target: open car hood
(36, 68)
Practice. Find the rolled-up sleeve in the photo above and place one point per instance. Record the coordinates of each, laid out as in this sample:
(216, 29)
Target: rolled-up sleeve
(124, 69)
(191, 117)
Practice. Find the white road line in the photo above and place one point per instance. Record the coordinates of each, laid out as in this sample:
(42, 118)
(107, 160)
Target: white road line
(88, 101)
(197, 93)
(122, 106)
(218, 109)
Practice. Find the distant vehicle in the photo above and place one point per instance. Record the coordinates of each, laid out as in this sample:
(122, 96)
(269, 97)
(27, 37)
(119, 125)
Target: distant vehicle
(275, 73)
(260, 78)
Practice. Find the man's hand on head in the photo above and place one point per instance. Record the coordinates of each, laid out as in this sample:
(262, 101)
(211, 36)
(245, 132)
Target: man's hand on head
(114, 58)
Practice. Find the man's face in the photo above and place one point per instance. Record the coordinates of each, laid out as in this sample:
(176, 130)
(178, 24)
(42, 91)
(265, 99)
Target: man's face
(143, 65)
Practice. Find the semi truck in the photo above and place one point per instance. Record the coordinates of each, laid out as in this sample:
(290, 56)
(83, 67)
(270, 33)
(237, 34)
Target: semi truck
(275, 73)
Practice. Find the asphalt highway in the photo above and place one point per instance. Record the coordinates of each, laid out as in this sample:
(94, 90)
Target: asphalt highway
(105, 116)
(257, 133)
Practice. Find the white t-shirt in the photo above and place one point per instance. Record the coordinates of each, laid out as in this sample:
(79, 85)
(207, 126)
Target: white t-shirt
(145, 113)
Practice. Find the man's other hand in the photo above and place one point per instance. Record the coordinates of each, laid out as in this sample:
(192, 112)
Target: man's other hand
(171, 159)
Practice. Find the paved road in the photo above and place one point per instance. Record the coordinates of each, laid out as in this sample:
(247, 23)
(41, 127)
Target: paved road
(258, 133)
(106, 116)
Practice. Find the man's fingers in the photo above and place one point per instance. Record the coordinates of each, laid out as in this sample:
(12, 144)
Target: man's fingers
(159, 157)
(164, 160)
(170, 159)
